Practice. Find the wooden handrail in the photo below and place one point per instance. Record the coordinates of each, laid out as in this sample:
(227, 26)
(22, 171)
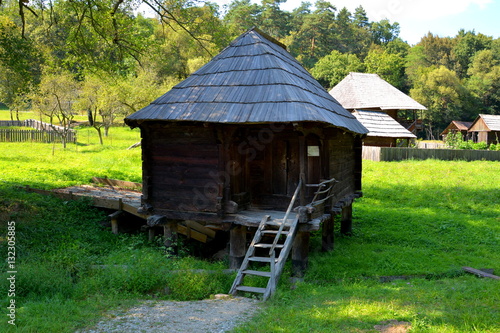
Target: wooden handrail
(290, 206)
(329, 183)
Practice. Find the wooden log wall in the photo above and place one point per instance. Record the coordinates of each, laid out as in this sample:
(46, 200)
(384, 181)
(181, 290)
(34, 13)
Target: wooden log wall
(220, 168)
(343, 163)
(180, 165)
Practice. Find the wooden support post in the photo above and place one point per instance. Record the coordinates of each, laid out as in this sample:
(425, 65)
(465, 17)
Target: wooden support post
(237, 246)
(327, 237)
(346, 222)
(169, 234)
(114, 221)
(300, 253)
(151, 234)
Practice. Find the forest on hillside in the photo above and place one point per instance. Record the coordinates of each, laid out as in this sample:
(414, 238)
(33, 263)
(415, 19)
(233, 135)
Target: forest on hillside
(106, 58)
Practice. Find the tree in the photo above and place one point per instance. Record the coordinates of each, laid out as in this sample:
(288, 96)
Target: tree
(273, 20)
(360, 18)
(95, 98)
(442, 92)
(484, 81)
(388, 66)
(333, 68)
(466, 46)
(19, 65)
(242, 15)
(383, 31)
(54, 98)
(315, 38)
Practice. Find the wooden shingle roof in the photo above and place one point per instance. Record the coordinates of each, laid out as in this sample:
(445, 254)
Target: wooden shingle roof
(369, 91)
(253, 80)
(457, 125)
(382, 125)
(491, 122)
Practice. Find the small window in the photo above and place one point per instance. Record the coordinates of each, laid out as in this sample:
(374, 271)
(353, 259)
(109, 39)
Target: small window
(313, 151)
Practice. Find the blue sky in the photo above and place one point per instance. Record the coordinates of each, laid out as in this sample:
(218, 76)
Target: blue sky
(418, 17)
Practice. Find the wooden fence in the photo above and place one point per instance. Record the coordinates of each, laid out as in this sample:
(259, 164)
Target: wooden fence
(43, 132)
(398, 154)
(8, 123)
(21, 135)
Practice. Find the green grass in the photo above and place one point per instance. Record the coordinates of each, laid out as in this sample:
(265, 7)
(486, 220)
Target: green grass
(50, 166)
(423, 220)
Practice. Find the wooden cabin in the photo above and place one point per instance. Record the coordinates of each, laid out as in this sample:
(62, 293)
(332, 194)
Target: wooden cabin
(456, 126)
(384, 131)
(231, 142)
(369, 92)
(486, 128)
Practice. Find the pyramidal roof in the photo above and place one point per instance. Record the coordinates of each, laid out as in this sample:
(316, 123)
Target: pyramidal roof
(370, 91)
(382, 125)
(253, 80)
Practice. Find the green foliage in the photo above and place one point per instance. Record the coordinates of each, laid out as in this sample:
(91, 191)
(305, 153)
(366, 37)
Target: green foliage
(454, 140)
(442, 92)
(334, 67)
(389, 66)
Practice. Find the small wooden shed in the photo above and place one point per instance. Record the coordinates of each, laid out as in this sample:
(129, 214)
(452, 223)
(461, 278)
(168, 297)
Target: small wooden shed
(231, 142)
(365, 91)
(486, 128)
(457, 126)
(384, 131)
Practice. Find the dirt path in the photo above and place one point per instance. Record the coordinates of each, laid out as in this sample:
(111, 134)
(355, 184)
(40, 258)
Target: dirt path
(214, 315)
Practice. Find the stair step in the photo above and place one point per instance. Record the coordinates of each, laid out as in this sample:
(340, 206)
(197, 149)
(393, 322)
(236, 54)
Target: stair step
(261, 259)
(274, 232)
(268, 246)
(251, 289)
(258, 273)
(278, 223)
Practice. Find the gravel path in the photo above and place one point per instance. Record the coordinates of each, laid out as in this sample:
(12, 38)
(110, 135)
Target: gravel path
(208, 316)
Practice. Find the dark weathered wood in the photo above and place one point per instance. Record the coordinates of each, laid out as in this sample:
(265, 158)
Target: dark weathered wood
(300, 253)
(480, 273)
(170, 234)
(327, 234)
(115, 222)
(237, 246)
(346, 221)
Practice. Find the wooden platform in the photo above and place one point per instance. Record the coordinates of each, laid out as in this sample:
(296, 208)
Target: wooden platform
(103, 197)
(253, 216)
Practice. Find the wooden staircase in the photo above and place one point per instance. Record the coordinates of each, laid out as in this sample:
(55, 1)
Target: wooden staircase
(276, 236)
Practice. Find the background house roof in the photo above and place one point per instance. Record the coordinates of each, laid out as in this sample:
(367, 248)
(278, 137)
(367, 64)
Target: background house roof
(253, 80)
(457, 125)
(369, 91)
(382, 125)
(492, 122)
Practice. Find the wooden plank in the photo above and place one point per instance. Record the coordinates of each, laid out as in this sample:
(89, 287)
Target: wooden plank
(190, 233)
(257, 273)
(261, 259)
(480, 273)
(107, 203)
(200, 228)
(251, 289)
(117, 183)
(133, 210)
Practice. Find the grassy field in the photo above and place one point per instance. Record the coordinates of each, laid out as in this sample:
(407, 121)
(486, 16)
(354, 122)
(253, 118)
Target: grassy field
(418, 220)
